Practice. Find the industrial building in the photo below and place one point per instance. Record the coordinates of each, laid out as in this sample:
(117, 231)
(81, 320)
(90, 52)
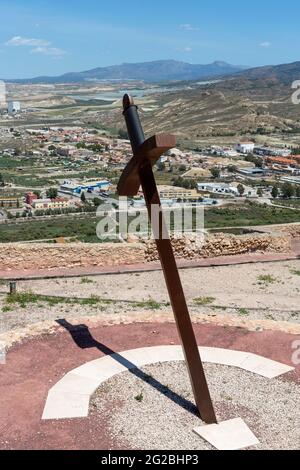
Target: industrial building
(272, 151)
(252, 172)
(290, 179)
(217, 188)
(73, 187)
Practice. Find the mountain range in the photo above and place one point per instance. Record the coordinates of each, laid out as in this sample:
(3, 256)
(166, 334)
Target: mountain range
(156, 71)
(249, 102)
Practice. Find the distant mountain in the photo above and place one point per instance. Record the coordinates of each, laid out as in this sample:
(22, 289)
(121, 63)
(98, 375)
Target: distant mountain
(284, 74)
(248, 103)
(160, 70)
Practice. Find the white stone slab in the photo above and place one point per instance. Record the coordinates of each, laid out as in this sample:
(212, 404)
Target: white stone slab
(272, 369)
(102, 369)
(228, 435)
(84, 380)
(227, 357)
(265, 367)
(75, 383)
(63, 405)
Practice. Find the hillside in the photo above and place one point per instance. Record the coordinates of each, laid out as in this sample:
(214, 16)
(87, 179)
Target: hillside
(256, 101)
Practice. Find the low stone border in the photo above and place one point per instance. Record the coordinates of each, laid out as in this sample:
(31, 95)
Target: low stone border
(70, 397)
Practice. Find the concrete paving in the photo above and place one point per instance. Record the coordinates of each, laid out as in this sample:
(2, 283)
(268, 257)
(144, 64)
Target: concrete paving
(228, 435)
(82, 382)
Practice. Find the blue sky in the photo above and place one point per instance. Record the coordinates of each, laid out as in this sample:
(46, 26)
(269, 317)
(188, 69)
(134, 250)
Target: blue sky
(49, 38)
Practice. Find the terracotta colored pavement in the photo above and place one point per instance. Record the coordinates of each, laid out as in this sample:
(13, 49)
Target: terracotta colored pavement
(36, 365)
(146, 267)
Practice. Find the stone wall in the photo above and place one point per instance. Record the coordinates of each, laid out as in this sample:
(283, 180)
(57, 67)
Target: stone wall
(70, 255)
(223, 245)
(14, 256)
(292, 230)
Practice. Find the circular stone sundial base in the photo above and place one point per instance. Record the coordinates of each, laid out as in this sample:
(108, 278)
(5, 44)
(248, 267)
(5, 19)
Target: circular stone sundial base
(153, 408)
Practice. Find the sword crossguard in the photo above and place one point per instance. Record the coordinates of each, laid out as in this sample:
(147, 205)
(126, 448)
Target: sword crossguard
(149, 150)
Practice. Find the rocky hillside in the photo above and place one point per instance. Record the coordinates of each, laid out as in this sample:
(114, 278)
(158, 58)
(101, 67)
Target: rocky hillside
(258, 101)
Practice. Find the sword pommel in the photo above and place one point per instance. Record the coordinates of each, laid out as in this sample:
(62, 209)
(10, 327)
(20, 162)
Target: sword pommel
(127, 102)
(133, 123)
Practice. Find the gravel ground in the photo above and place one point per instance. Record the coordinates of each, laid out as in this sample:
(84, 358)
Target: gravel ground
(20, 317)
(237, 292)
(163, 418)
(231, 286)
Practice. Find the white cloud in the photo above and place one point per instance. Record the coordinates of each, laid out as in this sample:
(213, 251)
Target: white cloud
(265, 44)
(55, 52)
(184, 49)
(40, 46)
(188, 27)
(20, 41)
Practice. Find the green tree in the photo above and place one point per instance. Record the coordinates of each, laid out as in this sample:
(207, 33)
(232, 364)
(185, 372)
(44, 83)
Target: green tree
(215, 172)
(288, 190)
(97, 201)
(83, 197)
(297, 191)
(52, 193)
(1, 180)
(275, 191)
(258, 162)
(260, 192)
(122, 134)
(241, 189)
(231, 168)
(37, 193)
(81, 145)
(161, 166)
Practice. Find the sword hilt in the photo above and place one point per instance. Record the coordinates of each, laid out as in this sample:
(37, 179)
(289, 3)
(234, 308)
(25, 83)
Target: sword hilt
(133, 123)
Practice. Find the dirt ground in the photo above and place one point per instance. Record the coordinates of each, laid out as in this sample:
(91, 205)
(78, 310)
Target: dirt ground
(260, 291)
(234, 286)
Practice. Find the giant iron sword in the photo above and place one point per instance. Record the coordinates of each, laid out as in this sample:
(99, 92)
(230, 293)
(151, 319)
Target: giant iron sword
(139, 172)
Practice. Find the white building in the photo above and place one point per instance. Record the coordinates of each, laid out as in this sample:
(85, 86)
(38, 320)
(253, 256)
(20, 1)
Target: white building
(14, 107)
(290, 179)
(245, 147)
(217, 188)
(2, 96)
